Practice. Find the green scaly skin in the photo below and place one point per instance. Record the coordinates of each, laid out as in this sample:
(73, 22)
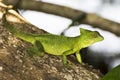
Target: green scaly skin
(56, 44)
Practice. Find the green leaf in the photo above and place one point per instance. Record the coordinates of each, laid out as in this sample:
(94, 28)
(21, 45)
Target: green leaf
(113, 74)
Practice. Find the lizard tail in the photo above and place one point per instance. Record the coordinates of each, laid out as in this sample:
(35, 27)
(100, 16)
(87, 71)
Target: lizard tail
(22, 35)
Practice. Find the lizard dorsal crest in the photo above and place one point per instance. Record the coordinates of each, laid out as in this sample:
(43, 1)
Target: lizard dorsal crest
(84, 31)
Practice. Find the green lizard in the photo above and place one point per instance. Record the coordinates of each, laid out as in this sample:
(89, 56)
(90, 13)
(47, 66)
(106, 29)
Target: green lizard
(56, 44)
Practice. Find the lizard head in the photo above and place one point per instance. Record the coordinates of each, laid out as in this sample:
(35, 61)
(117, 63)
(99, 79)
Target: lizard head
(89, 37)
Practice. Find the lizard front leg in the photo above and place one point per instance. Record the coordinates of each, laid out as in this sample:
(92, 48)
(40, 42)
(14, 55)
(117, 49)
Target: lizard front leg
(64, 56)
(78, 56)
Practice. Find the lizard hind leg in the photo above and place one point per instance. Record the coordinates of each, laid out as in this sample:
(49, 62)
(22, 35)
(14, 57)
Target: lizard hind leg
(40, 48)
(31, 51)
(37, 49)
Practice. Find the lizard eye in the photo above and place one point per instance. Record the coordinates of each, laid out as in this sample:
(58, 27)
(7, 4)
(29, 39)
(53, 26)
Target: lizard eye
(95, 35)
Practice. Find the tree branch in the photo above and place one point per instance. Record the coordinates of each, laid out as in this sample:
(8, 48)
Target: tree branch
(99, 22)
(14, 18)
(91, 19)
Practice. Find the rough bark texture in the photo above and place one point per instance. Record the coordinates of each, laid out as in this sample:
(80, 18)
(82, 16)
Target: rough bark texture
(16, 64)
